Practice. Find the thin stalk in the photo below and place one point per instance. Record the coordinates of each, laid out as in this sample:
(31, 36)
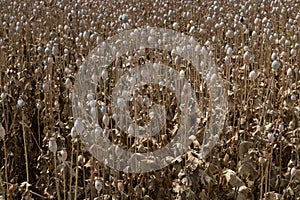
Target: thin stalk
(65, 183)
(280, 157)
(84, 186)
(1, 185)
(56, 177)
(25, 150)
(266, 175)
(261, 181)
(5, 151)
(270, 170)
(5, 166)
(76, 176)
(71, 172)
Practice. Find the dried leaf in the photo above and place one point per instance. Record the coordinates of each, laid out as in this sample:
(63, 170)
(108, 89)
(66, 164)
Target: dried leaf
(232, 179)
(243, 148)
(244, 193)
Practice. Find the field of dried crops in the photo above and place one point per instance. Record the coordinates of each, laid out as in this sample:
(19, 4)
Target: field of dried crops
(256, 46)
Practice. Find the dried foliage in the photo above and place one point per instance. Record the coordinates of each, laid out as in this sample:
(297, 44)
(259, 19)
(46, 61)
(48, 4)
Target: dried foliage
(256, 45)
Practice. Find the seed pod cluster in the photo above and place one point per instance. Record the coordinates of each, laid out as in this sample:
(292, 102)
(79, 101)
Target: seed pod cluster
(255, 46)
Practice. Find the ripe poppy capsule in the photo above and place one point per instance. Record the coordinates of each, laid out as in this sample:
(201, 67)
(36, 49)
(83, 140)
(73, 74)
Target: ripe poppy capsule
(2, 132)
(98, 185)
(52, 145)
(252, 75)
(64, 155)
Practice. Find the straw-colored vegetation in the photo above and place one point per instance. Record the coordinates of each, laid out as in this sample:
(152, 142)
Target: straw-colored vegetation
(256, 46)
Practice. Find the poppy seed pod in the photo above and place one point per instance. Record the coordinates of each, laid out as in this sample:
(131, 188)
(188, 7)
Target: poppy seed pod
(130, 130)
(289, 72)
(64, 155)
(296, 111)
(79, 126)
(66, 51)
(106, 132)
(105, 120)
(2, 132)
(271, 137)
(21, 103)
(182, 74)
(215, 39)
(283, 54)
(229, 51)
(120, 186)
(103, 109)
(98, 185)
(175, 25)
(68, 83)
(50, 60)
(281, 127)
(146, 100)
(73, 132)
(121, 102)
(3, 95)
(254, 35)
(252, 75)
(39, 50)
(202, 31)
(261, 160)
(90, 96)
(275, 65)
(293, 172)
(293, 52)
(55, 49)
(124, 17)
(144, 73)
(192, 137)
(104, 74)
(47, 51)
(38, 105)
(86, 35)
(94, 112)
(274, 56)
(287, 43)
(118, 151)
(247, 56)
(213, 79)
(52, 145)
(98, 131)
(227, 60)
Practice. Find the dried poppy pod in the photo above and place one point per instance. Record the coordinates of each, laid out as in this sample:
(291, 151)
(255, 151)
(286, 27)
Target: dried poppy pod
(21, 102)
(262, 160)
(229, 51)
(105, 120)
(293, 97)
(120, 186)
(275, 65)
(271, 137)
(252, 75)
(52, 145)
(2, 132)
(68, 83)
(63, 155)
(247, 57)
(293, 171)
(3, 95)
(98, 185)
(79, 126)
(274, 56)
